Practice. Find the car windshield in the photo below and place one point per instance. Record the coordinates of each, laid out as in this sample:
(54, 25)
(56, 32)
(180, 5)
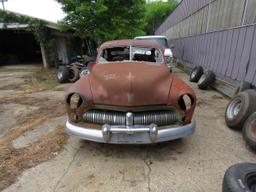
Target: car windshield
(161, 41)
(131, 53)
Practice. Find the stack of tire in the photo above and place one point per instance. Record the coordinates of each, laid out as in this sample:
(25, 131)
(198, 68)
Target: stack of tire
(74, 71)
(67, 74)
(203, 79)
(241, 115)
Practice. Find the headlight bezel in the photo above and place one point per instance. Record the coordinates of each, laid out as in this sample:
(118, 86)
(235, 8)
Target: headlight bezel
(186, 102)
(74, 105)
(74, 101)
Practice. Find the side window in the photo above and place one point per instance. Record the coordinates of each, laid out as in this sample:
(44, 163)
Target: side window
(146, 54)
(119, 54)
(114, 54)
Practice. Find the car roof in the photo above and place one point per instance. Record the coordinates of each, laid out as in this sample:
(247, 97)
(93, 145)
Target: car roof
(151, 36)
(130, 42)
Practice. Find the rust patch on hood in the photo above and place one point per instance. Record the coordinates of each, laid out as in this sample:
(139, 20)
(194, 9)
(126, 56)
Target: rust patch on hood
(130, 84)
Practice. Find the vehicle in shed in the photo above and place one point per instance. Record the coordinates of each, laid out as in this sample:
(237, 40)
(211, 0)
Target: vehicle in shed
(163, 42)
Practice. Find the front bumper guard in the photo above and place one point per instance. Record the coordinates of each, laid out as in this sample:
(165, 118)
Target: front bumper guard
(136, 134)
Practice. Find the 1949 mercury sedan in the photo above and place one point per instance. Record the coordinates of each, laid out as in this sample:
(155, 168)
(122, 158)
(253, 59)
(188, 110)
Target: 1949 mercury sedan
(130, 97)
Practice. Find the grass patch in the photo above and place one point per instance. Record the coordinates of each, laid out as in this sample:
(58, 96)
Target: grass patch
(41, 80)
(14, 161)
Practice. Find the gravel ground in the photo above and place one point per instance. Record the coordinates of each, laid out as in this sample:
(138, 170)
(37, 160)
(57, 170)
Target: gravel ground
(195, 164)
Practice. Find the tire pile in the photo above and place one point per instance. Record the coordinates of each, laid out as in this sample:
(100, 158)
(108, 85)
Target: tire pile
(75, 70)
(241, 115)
(203, 79)
(240, 178)
(241, 111)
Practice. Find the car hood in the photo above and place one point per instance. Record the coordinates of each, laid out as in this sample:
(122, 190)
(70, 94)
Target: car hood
(130, 84)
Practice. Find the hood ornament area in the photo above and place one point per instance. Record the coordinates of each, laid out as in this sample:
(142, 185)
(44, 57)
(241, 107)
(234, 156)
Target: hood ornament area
(130, 97)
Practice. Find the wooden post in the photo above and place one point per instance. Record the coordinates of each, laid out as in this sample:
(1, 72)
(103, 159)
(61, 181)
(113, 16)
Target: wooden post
(44, 56)
(3, 3)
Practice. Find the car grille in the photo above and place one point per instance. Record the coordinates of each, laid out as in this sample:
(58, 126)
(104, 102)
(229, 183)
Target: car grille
(159, 118)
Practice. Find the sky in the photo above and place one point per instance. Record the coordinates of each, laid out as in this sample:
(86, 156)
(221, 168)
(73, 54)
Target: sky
(49, 10)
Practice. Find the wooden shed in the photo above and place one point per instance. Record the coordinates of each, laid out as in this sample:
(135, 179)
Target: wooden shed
(18, 45)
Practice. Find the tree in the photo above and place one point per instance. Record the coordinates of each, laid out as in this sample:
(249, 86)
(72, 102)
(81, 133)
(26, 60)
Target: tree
(103, 20)
(156, 13)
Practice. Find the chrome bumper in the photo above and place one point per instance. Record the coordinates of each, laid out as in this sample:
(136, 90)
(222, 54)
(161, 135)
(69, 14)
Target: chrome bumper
(131, 134)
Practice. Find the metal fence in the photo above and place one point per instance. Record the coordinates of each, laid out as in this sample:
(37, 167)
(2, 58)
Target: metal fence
(185, 9)
(219, 35)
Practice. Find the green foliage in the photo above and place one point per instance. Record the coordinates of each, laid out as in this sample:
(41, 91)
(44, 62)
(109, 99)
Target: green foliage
(8, 17)
(37, 27)
(156, 13)
(101, 20)
(104, 19)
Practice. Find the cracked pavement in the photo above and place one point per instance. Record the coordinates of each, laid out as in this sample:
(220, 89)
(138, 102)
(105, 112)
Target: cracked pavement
(66, 171)
(148, 163)
(195, 164)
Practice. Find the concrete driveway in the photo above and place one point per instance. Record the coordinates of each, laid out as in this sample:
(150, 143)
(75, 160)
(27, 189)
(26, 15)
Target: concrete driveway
(44, 158)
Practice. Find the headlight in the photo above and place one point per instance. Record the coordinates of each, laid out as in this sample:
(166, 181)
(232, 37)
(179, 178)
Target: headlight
(186, 102)
(74, 100)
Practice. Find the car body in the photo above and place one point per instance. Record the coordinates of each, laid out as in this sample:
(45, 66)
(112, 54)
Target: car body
(130, 97)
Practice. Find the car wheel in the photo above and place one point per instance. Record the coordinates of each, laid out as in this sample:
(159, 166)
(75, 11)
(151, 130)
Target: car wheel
(63, 74)
(249, 131)
(239, 109)
(83, 72)
(196, 73)
(240, 178)
(206, 80)
(74, 74)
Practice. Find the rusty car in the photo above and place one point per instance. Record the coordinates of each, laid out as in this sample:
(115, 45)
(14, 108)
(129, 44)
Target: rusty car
(130, 97)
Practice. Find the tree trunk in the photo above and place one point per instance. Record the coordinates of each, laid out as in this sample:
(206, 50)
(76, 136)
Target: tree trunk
(44, 56)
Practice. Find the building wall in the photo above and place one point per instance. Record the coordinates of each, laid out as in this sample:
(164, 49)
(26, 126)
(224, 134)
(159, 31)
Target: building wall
(216, 34)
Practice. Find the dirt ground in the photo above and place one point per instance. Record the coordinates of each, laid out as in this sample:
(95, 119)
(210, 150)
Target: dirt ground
(37, 155)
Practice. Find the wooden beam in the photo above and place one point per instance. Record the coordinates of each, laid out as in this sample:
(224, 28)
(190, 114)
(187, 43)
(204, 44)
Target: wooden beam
(44, 56)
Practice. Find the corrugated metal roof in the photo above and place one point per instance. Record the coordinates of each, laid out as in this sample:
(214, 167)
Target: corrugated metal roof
(49, 24)
(13, 26)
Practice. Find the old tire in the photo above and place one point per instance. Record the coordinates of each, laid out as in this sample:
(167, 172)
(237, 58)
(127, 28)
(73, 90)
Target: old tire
(74, 74)
(206, 80)
(240, 178)
(239, 109)
(63, 74)
(196, 73)
(249, 131)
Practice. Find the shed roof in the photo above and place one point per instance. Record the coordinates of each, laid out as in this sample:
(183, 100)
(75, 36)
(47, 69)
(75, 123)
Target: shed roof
(15, 25)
